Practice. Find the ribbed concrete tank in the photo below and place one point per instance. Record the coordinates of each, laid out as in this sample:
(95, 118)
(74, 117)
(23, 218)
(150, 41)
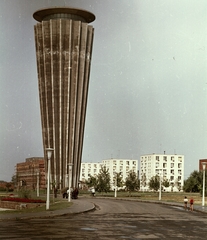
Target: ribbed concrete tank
(63, 41)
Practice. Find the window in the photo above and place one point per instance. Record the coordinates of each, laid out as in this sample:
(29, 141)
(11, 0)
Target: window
(172, 165)
(157, 158)
(180, 159)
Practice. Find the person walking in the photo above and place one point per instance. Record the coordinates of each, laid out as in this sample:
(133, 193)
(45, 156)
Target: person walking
(93, 191)
(191, 204)
(186, 203)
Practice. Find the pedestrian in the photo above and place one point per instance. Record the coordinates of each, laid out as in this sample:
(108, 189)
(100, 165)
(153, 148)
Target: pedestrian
(68, 191)
(185, 203)
(93, 191)
(55, 192)
(191, 204)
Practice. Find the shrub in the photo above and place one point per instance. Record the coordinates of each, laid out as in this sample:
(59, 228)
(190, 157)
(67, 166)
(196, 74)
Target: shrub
(24, 193)
(24, 200)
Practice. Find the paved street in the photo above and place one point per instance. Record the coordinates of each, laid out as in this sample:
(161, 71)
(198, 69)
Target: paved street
(112, 219)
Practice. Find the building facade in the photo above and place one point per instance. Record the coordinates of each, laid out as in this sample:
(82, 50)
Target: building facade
(169, 167)
(114, 166)
(63, 42)
(31, 173)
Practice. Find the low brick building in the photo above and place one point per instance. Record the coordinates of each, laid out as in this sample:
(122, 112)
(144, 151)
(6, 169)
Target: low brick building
(201, 161)
(31, 173)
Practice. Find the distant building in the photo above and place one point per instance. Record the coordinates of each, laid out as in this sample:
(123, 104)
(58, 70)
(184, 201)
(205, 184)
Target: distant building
(171, 168)
(114, 166)
(6, 186)
(201, 161)
(30, 173)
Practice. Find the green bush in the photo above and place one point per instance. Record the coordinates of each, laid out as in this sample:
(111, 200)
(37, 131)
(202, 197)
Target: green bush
(24, 193)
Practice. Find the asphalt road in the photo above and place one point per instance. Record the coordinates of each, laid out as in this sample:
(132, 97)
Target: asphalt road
(113, 219)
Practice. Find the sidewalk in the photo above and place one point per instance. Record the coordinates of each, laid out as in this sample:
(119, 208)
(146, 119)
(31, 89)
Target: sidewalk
(196, 208)
(78, 206)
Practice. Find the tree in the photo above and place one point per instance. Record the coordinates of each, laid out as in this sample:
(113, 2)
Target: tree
(144, 180)
(103, 180)
(165, 183)
(92, 182)
(8, 185)
(178, 184)
(132, 182)
(154, 183)
(14, 179)
(194, 182)
(118, 180)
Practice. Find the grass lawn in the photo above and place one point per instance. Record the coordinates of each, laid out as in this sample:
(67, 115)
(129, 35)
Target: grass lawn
(53, 206)
(166, 196)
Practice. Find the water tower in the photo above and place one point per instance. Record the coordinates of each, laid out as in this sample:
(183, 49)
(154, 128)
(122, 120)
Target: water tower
(63, 39)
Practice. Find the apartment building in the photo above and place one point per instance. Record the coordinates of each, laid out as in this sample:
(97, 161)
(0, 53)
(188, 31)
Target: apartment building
(169, 167)
(114, 166)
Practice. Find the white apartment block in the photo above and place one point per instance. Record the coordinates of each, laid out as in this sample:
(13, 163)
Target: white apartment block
(169, 167)
(114, 166)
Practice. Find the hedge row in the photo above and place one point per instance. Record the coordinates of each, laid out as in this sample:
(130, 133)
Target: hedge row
(24, 200)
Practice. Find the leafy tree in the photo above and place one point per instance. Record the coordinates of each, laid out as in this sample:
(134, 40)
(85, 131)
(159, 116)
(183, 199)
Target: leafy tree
(144, 180)
(178, 184)
(8, 185)
(165, 183)
(118, 180)
(103, 180)
(132, 182)
(14, 179)
(194, 182)
(92, 182)
(154, 183)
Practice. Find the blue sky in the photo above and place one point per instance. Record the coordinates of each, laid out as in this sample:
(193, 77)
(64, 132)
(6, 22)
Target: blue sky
(148, 82)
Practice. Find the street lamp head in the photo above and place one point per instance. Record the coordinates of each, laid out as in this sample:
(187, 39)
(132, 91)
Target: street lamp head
(204, 165)
(49, 152)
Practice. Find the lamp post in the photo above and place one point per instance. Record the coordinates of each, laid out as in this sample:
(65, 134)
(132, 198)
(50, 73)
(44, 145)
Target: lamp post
(115, 190)
(160, 192)
(49, 154)
(69, 180)
(204, 170)
(38, 183)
